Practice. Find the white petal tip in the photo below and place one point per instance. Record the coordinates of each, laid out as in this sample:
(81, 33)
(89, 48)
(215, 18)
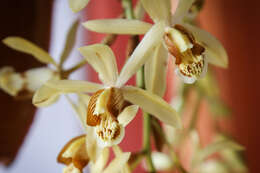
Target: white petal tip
(185, 79)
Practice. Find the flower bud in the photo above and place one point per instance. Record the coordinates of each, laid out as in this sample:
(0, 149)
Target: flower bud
(161, 161)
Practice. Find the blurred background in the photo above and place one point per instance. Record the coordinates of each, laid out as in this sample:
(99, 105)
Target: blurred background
(41, 136)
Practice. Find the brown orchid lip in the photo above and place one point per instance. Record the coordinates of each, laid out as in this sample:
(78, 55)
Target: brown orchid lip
(191, 61)
(183, 57)
(115, 102)
(114, 106)
(79, 158)
(197, 49)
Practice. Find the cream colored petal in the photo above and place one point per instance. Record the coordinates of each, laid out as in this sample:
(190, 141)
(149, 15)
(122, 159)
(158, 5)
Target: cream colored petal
(138, 57)
(156, 70)
(118, 26)
(118, 163)
(77, 5)
(215, 52)
(92, 149)
(75, 108)
(127, 115)
(36, 77)
(152, 104)
(78, 110)
(102, 59)
(117, 150)
(70, 42)
(83, 101)
(45, 96)
(139, 11)
(28, 47)
(10, 81)
(101, 162)
(172, 135)
(157, 10)
(182, 10)
(74, 86)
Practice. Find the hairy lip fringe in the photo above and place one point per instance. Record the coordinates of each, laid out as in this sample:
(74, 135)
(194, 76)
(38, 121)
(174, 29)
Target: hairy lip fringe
(106, 122)
(190, 61)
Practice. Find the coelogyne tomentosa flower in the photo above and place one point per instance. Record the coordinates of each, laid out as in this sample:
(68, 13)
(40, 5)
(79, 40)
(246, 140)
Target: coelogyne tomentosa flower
(23, 85)
(192, 47)
(75, 156)
(109, 109)
(26, 83)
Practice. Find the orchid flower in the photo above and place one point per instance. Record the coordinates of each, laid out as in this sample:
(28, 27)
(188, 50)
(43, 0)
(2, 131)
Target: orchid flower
(192, 47)
(110, 107)
(83, 150)
(74, 155)
(24, 84)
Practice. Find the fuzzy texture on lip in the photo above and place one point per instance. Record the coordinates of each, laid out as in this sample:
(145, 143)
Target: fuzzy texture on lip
(188, 53)
(104, 107)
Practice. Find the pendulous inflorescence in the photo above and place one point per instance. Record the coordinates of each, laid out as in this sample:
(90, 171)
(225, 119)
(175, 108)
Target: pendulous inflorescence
(106, 108)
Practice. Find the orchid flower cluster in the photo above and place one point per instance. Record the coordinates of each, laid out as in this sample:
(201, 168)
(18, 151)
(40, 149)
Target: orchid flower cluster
(106, 108)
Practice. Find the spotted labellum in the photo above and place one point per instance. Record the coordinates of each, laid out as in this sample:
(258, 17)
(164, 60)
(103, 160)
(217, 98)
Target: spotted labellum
(188, 53)
(102, 113)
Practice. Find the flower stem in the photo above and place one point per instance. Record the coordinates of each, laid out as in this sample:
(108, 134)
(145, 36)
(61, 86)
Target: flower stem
(66, 73)
(147, 142)
(195, 113)
(128, 9)
(129, 14)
